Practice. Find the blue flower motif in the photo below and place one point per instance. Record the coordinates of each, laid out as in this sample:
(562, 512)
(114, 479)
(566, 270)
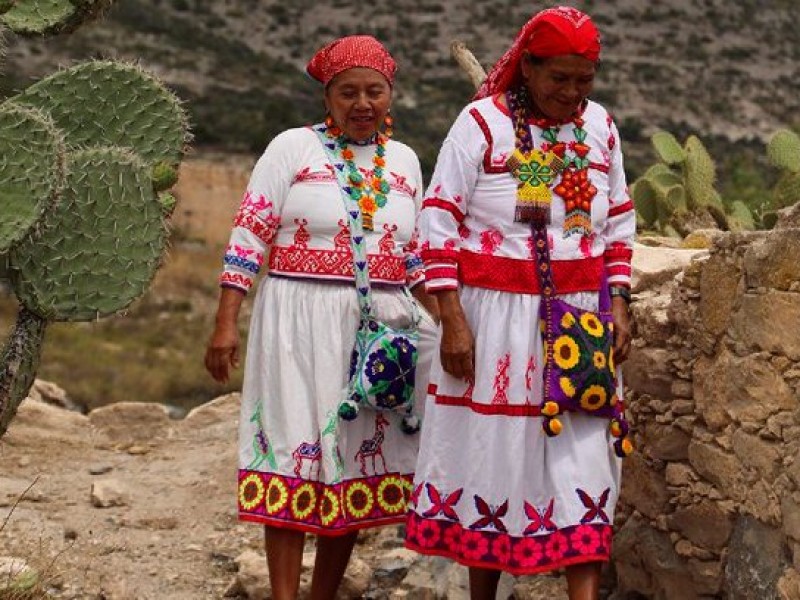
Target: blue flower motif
(380, 368)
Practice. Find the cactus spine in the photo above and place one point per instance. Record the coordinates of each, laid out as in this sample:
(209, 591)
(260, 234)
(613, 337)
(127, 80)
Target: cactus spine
(93, 151)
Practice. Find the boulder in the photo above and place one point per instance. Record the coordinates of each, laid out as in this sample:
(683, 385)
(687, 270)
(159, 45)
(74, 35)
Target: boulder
(757, 558)
(129, 422)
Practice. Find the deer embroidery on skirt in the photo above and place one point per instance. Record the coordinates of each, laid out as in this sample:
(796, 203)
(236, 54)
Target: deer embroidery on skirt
(308, 452)
(373, 446)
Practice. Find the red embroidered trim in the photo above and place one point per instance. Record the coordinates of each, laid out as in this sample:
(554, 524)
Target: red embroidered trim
(488, 166)
(618, 251)
(444, 205)
(599, 167)
(511, 410)
(439, 255)
(236, 280)
(334, 264)
(519, 555)
(519, 276)
(622, 208)
(307, 175)
(264, 230)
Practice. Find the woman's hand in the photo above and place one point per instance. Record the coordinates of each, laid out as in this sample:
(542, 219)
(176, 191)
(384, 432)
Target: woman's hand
(620, 312)
(457, 348)
(222, 351)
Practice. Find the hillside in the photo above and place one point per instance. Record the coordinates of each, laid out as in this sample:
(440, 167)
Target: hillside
(719, 68)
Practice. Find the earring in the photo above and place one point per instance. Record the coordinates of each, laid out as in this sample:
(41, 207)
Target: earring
(388, 122)
(330, 125)
(328, 121)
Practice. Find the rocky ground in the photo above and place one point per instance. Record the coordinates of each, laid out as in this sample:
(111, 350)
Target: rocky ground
(126, 503)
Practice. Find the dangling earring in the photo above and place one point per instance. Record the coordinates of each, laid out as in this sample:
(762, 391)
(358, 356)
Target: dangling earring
(388, 123)
(328, 121)
(330, 125)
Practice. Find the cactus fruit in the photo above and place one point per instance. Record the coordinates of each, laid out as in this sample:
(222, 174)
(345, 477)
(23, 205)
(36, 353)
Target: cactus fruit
(99, 249)
(48, 17)
(32, 172)
(103, 103)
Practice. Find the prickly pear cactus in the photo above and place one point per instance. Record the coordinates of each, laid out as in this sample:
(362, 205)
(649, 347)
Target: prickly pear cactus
(90, 154)
(783, 151)
(48, 17)
(677, 195)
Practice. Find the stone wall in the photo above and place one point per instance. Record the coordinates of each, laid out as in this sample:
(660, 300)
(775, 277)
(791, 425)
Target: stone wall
(711, 499)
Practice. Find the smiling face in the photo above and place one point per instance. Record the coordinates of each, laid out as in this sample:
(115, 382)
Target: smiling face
(358, 99)
(558, 85)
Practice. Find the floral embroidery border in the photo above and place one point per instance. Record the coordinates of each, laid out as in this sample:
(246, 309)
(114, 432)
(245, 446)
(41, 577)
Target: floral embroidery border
(298, 261)
(519, 555)
(283, 501)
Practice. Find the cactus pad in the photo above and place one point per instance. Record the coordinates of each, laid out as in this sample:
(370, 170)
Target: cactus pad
(668, 148)
(645, 200)
(102, 103)
(31, 172)
(98, 251)
(740, 218)
(786, 191)
(47, 17)
(783, 150)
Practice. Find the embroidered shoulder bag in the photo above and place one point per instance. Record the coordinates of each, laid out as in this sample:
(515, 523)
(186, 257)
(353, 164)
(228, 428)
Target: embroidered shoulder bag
(383, 361)
(579, 373)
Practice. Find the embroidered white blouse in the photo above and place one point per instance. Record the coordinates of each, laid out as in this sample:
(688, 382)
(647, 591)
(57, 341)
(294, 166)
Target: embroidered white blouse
(293, 218)
(467, 227)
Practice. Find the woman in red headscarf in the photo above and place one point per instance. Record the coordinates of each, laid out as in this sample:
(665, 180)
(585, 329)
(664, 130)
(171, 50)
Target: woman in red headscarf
(301, 469)
(529, 180)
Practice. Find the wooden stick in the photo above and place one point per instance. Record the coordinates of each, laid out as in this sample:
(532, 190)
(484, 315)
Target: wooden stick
(468, 63)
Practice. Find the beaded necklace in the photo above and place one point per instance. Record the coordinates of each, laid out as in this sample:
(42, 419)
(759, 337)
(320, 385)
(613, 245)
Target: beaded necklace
(370, 193)
(536, 169)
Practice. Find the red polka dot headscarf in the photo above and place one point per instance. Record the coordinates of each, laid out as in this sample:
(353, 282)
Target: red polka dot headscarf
(551, 32)
(348, 52)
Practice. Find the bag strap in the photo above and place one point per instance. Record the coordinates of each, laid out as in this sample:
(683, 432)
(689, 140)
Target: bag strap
(357, 243)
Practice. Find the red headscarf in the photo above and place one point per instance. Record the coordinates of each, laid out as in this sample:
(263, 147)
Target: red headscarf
(552, 32)
(348, 52)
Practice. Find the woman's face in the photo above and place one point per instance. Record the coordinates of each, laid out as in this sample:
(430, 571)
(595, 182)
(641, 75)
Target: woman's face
(559, 85)
(358, 99)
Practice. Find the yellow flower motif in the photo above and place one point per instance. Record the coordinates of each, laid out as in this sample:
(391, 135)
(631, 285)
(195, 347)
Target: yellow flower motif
(277, 496)
(390, 495)
(304, 501)
(566, 352)
(592, 324)
(329, 507)
(568, 320)
(599, 360)
(566, 386)
(251, 492)
(359, 500)
(611, 363)
(367, 204)
(593, 398)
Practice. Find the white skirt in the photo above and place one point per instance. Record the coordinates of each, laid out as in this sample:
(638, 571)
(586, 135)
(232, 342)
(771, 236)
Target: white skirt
(491, 489)
(296, 370)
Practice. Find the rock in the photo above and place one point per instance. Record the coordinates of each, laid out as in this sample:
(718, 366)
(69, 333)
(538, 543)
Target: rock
(252, 579)
(743, 389)
(100, 469)
(717, 466)
(758, 454)
(655, 266)
(701, 239)
(720, 286)
(774, 261)
(789, 585)
(643, 488)
(666, 442)
(769, 322)
(647, 371)
(219, 410)
(50, 393)
(647, 564)
(131, 422)
(538, 587)
(756, 560)
(703, 524)
(36, 420)
(678, 474)
(107, 493)
(356, 579)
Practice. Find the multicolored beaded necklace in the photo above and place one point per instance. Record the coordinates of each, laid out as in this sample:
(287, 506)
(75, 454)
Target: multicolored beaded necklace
(370, 192)
(536, 169)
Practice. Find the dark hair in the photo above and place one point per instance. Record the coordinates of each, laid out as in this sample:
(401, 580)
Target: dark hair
(540, 60)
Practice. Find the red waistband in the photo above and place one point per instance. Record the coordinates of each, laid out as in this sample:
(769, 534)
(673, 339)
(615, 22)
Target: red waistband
(519, 276)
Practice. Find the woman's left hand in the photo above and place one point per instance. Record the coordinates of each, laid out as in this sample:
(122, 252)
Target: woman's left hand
(623, 335)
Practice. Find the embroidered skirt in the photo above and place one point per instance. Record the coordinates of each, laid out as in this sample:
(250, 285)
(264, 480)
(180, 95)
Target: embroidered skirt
(491, 489)
(298, 356)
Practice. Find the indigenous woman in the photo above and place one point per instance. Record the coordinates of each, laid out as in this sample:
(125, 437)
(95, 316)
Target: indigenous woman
(301, 468)
(492, 491)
